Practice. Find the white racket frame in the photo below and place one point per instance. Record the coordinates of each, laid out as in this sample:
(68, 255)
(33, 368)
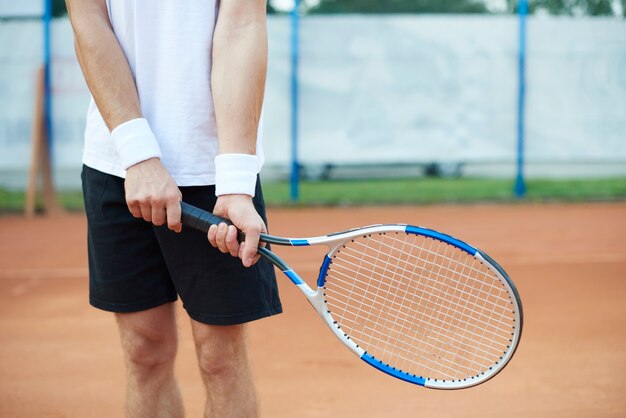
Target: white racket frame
(316, 298)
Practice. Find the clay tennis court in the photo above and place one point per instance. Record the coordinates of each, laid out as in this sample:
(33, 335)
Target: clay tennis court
(60, 358)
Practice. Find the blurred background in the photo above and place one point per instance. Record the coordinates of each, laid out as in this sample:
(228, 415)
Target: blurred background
(369, 104)
(433, 100)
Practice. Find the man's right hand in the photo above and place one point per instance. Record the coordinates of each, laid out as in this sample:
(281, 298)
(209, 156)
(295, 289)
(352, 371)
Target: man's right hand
(152, 194)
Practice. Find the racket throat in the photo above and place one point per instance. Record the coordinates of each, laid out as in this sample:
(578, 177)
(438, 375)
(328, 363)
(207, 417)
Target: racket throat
(316, 299)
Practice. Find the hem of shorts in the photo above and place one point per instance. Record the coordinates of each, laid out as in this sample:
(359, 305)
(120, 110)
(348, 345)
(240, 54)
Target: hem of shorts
(104, 167)
(130, 307)
(234, 319)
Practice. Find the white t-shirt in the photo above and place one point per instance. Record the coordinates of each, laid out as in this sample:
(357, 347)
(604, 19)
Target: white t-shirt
(168, 45)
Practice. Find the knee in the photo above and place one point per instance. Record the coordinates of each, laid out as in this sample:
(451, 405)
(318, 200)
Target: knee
(150, 353)
(220, 362)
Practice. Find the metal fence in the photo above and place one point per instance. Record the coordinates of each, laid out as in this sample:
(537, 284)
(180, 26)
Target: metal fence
(382, 94)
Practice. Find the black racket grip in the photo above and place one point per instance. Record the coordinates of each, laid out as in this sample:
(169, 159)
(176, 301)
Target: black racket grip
(199, 219)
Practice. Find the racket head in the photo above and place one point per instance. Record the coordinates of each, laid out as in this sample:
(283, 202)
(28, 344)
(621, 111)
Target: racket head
(420, 305)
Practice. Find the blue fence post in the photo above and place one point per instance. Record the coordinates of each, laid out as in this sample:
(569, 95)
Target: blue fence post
(295, 45)
(520, 186)
(47, 91)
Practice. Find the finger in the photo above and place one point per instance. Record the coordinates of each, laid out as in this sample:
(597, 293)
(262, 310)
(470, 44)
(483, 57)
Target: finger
(173, 216)
(220, 237)
(212, 234)
(256, 258)
(251, 247)
(146, 211)
(231, 241)
(261, 243)
(134, 209)
(158, 215)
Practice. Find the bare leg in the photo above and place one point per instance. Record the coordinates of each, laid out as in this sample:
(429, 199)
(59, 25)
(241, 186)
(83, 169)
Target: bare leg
(225, 370)
(149, 340)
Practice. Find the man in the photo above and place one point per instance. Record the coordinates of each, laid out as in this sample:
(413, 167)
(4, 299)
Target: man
(168, 78)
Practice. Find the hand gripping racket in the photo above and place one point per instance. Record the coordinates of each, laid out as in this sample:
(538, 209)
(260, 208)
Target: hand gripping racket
(414, 303)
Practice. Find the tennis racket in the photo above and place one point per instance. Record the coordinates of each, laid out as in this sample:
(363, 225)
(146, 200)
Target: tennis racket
(414, 303)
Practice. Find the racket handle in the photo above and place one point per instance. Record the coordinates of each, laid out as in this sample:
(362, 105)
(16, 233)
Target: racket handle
(200, 219)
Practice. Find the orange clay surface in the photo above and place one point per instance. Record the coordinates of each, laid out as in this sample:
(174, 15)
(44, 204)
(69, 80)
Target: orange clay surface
(61, 358)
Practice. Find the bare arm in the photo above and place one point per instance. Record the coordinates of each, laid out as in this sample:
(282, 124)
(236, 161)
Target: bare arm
(238, 73)
(238, 83)
(150, 191)
(103, 62)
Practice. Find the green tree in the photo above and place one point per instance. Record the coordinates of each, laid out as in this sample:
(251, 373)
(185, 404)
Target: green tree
(398, 6)
(270, 9)
(553, 7)
(599, 8)
(58, 8)
(570, 7)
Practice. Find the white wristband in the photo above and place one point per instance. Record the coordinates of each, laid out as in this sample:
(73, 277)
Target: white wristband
(236, 174)
(135, 142)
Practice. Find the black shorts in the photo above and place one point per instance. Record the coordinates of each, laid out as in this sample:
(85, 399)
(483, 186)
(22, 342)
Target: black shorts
(134, 266)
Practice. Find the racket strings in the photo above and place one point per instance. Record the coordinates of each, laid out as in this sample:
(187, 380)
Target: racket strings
(420, 305)
(405, 355)
(436, 329)
(432, 332)
(431, 261)
(347, 274)
(437, 333)
(472, 301)
(378, 334)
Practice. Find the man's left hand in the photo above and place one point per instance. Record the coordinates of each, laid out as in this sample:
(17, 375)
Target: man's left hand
(239, 209)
